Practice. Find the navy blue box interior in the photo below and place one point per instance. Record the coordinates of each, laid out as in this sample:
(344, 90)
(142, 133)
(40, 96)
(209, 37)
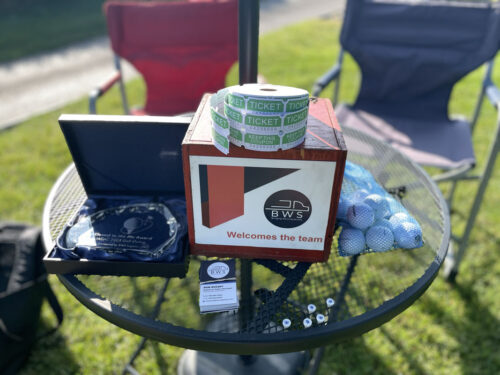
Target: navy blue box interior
(125, 158)
(127, 155)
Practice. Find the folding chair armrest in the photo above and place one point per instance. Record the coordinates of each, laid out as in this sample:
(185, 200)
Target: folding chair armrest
(459, 173)
(493, 94)
(326, 78)
(102, 89)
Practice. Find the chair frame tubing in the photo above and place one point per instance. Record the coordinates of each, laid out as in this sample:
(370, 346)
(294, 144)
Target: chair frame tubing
(116, 77)
(489, 90)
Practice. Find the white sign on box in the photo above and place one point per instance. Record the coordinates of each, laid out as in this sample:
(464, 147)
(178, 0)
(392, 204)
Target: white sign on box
(268, 202)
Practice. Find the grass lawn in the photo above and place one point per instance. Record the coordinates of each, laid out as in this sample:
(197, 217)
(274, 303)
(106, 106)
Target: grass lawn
(29, 27)
(33, 26)
(451, 329)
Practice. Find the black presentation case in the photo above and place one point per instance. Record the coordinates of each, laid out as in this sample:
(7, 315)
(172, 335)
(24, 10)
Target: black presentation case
(125, 157)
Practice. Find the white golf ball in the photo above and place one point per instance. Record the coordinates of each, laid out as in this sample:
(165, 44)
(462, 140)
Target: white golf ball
(401, 217)
(393, 204)
(360, 216)
(361, 194)
(398, 218)
(379, 238)
(408, 235)
(351, 241)
(344, 203)
(378, 204)
(383, 223)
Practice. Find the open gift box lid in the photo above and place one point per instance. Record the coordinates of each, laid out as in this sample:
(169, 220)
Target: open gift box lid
(125, 157)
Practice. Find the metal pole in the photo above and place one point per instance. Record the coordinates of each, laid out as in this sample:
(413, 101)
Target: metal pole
(247, 303)
(248, 51)
(248, 40)
(247, 306)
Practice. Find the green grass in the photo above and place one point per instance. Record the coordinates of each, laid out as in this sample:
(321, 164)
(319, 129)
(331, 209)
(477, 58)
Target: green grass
(32, 26)
(451, 329)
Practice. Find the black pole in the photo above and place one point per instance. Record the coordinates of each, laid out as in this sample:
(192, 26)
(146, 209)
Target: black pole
(246, 308)
(248, 51)
(248, 40)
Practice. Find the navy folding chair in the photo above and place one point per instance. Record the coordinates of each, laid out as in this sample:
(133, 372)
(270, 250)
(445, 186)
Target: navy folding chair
(411, 54)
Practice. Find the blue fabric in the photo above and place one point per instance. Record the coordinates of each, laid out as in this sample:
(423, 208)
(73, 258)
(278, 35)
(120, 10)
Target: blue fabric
(411, 53)
(177, 207)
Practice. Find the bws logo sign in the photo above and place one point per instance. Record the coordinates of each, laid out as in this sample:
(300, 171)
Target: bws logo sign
(218, 270)
(223, 189)
(287, 208)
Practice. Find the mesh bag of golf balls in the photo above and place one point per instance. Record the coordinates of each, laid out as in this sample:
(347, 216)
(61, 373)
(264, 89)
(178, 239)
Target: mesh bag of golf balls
(371, 219)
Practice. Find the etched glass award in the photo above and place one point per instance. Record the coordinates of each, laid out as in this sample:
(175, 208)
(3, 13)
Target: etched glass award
(146, 228)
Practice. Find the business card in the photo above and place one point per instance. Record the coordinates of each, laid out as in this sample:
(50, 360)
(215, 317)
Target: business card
(218, 291)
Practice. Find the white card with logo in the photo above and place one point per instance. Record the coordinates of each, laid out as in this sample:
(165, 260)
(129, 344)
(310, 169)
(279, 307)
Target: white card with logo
(218, 286)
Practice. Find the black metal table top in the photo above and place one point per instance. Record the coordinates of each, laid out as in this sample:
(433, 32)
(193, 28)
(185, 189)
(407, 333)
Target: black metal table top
(368, 289)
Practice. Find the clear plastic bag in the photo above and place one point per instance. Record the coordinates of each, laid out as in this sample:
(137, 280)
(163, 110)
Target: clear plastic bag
(371, 219)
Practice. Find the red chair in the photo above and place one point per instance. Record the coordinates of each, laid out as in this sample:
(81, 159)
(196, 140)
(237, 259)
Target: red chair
(182, 49)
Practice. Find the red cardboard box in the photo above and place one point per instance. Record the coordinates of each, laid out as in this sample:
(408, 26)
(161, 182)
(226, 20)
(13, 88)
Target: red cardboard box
(277, 205)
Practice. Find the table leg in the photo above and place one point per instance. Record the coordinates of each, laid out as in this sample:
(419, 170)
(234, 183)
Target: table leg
(318, 353)
(202, 363)
(247, 299)
(316, 361)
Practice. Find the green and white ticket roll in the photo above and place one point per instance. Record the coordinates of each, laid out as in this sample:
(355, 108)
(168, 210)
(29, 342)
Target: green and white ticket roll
(260, 117)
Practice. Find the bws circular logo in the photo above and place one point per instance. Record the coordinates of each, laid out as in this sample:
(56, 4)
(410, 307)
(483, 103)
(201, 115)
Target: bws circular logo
(287, 208)
(218, 270)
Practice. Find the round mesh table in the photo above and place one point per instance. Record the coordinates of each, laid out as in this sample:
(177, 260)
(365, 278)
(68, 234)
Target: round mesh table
(368, 289)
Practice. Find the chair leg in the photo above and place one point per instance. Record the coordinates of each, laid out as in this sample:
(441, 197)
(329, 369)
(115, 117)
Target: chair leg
(449, 271)
(129, 367)
(451, 194)
(123, 94)
(316, 361)
(337, 81)
(495, 147)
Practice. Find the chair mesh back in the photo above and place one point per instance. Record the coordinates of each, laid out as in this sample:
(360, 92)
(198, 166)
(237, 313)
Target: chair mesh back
(182, 49)
(411, 53)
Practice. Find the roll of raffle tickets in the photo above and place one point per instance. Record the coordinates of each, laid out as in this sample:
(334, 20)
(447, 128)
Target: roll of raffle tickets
(260, 117)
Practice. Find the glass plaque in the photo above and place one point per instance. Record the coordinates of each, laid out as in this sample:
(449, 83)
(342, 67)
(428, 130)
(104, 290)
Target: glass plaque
(147, 229)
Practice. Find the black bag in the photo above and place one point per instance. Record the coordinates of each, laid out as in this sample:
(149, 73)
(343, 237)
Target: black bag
(23, 286)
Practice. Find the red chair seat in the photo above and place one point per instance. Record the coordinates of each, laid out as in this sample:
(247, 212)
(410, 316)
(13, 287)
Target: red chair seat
(182, 49)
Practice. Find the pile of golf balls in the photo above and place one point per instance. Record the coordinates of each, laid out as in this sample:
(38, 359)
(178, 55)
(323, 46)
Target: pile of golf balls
(368, 222)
